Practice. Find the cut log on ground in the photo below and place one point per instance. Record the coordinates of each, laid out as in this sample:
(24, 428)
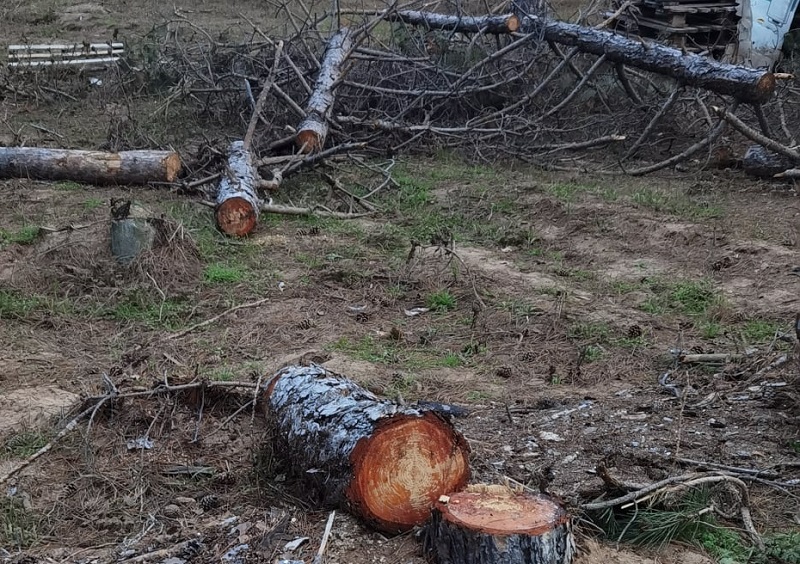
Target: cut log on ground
(743, 83)
(237, 197)
(386, 463)
(313, 130)
(763, 163)
(493, 525)
(507, 23)
(91, 167)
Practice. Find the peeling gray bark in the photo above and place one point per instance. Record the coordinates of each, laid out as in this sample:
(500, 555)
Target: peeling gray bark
(743, 83)
(313, 130)
(329, 422)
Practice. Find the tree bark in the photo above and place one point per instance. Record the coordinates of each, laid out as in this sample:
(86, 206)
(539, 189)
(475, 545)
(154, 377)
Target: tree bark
(313, 130)
(494, 525)
(91, 167)
(507, 23)
(385, 463)
(743, 83)
(237, 198)
(763, 163)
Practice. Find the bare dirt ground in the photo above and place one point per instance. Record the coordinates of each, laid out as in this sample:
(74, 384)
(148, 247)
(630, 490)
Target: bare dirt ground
(552, 322)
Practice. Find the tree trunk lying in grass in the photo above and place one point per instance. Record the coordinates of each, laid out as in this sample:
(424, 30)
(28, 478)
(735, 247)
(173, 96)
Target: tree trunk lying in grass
(743, 83)
(91, 167)
(493, 525)
(508, 23)
(237, 197)
(313, 130)
(385, 463)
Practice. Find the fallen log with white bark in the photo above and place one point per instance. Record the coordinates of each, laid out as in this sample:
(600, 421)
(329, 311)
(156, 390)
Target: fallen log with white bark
(91, 167)
(237, 200)
(313, 130)
(502, 24)
(743, 83)
(494, 525)
(386, 463)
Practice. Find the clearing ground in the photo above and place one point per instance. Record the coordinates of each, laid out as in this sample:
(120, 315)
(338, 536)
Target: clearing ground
(552, 320)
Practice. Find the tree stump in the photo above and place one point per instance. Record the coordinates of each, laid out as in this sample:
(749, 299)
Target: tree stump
(385, 463)
(133, 230)
(493, 524)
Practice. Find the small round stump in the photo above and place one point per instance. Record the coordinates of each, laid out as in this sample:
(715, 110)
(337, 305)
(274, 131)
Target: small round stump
(493, 525)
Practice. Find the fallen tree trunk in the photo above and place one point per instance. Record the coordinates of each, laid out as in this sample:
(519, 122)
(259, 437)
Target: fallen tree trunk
(237, 197)
(743, 83)
(385, 463)
(494, 525)
(313, 130)
(763, 163)
(91, 167)
(507, 23)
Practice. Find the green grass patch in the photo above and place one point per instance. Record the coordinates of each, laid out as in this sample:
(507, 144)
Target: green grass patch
(592, 353)
(441, 300)
(694, 298)
(19, 527)
(138, 306)
(16, 306)
(675, 203)
(589, 331)
(92, 204)
(222, 375)
(392, 353)
(760, 330)
(68, 186)
(220, 273)
(568, 192)
(23, 444)
(24, 236)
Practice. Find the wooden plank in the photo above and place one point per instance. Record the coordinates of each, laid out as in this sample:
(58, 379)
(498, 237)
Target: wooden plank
(700, 8)
(63, 55)
(68, 62)
(64, 47)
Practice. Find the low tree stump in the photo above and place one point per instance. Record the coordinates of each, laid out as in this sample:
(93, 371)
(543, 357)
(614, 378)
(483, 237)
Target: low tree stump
(383, 462)
(493, 524)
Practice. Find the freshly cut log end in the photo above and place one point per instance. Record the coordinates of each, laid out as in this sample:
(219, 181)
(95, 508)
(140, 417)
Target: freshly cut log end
(237, 198)
(384, 462)
(311, 134)
(403, 468)
(492, 525)
(236, 217)
(171, 164)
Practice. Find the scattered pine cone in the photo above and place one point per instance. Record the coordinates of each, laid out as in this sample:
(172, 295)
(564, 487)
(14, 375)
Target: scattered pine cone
(634, 332)
(505, 372)
(305, 324)
(209, 502)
